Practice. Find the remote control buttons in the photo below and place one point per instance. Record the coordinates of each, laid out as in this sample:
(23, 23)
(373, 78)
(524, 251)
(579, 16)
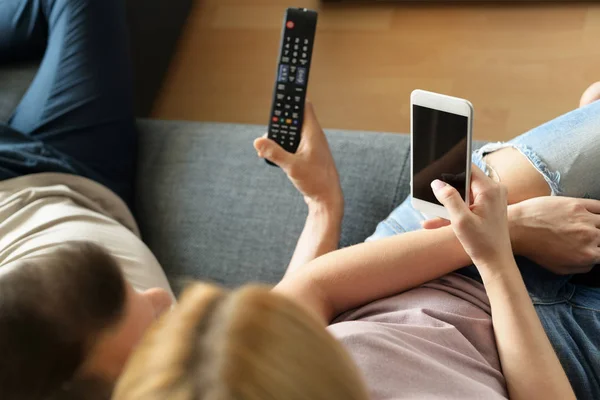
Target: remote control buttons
(301, 76)
(292, 78)
(283, 72)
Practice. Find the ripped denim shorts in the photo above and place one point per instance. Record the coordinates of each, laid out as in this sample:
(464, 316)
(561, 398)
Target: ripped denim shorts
(566, 151)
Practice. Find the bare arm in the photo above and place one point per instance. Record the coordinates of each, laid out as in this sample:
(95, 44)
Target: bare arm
(321, 235)
(530, 366)
(313, 172)
(356, 275)
(559, 233)
(350, 277)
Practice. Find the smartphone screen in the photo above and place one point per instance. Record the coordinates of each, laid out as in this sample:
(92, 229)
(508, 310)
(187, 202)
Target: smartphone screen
(439, 151)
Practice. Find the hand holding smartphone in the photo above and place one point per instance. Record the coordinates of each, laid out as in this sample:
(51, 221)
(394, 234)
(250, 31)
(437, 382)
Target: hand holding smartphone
(441, 136)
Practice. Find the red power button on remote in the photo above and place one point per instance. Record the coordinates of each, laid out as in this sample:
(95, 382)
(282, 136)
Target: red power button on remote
(290, 24)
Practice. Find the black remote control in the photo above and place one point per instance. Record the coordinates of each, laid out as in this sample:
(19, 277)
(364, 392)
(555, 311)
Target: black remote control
(293, 66)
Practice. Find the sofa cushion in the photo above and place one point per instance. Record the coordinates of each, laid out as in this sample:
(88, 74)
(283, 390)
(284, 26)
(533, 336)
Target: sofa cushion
(210, 209)
(14, 81)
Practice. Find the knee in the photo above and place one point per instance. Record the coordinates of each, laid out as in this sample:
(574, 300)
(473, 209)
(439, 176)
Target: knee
(591, 94)
(518, 173)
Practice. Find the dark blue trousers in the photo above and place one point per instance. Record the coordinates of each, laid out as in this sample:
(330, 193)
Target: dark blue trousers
(77, 115)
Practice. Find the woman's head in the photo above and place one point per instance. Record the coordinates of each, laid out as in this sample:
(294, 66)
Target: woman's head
(68, 322)
(249, 344)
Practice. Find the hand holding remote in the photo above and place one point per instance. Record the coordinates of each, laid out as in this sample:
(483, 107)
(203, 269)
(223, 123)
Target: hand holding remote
(311, 169)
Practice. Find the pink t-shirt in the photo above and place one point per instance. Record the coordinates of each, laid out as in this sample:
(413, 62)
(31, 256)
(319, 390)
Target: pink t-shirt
(433, 342)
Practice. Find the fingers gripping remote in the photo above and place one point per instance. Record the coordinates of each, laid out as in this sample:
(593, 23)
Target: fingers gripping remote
(293, 66)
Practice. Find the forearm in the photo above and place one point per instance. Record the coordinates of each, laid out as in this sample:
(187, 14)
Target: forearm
(356, 275)
(516, 230)
(529, 363)
(350, 277)
(321, 234)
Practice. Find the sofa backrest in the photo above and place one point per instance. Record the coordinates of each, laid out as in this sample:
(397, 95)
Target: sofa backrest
(210, 209)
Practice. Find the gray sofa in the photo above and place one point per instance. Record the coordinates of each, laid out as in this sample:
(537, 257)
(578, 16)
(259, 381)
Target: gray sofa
(211, 210)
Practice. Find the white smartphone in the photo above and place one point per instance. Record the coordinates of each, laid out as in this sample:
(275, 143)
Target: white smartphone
(441, 131)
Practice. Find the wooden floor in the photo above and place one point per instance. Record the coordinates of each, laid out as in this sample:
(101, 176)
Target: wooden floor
(520, 65)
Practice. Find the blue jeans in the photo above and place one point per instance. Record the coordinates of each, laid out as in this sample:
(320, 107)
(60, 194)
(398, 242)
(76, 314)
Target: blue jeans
(566, 151)
(77, 116)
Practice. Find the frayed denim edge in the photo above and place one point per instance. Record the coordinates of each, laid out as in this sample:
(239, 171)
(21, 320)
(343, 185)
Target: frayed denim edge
(551, 177)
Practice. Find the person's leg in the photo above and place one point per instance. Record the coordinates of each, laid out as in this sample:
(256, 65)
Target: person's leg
(23, 30)
(591, 94)
(23, 36)
(559, 158)
(523, 181)
(519, 175)
(566, 152)
(78, 110)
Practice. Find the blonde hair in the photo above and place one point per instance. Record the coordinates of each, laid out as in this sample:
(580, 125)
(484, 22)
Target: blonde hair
(249, 344)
